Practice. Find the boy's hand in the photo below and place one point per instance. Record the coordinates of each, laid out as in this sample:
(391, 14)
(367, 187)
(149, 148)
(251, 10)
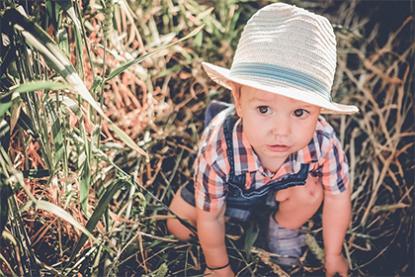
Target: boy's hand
(336, 263)
(224, 272)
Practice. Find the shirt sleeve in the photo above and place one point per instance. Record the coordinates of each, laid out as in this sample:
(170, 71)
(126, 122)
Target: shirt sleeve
(210, 184)
(334, 168)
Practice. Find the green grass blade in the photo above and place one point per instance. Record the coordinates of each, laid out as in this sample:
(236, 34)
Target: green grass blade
(85, 181)
(126, 139)
(4, 107)
(97, 214)
(64, 215)
(78, 38)
(41, 41)
(58, 142)
(39, 85)
(125, 66)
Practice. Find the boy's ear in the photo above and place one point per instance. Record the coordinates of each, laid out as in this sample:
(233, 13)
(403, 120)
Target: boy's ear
(236, 93)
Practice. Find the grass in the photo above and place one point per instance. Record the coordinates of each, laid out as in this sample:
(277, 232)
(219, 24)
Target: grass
(101, 108)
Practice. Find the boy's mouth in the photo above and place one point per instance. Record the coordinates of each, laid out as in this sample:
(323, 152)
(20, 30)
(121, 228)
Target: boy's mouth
(278, 147)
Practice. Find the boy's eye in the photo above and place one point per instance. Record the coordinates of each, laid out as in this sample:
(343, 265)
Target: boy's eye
(300, 113)
(264, 109)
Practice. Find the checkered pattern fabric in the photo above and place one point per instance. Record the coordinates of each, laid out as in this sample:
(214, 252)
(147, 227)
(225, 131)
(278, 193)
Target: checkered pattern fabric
(324, 154)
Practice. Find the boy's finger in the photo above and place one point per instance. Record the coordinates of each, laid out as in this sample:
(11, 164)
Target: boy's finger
(329, 274)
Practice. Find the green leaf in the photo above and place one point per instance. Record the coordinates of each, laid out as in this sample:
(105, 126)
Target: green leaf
(58, 142)
(4, 107)
(97, 214)
(250, 237)
(126, 139)
(42, 42)
(314, 247)
(78, 38)
(64, 215)
(198, 40)
(39, 85)
(85, 180)
(161, 271)
(125, 66)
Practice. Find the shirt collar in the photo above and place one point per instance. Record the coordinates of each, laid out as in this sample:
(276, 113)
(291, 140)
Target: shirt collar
(246, 160)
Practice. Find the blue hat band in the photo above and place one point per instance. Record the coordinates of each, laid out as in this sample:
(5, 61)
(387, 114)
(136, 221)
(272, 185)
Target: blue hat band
(270, 72)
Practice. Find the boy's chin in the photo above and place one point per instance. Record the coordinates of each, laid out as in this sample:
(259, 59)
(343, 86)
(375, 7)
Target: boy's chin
(273, 158)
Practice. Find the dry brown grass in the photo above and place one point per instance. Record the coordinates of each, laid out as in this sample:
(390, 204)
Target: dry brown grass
(160, 104)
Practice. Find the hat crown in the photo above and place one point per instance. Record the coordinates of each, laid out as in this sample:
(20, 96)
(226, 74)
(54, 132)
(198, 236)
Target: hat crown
(287, 46)
(288, 51)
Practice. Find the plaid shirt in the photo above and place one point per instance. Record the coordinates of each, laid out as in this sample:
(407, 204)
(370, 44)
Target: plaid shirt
(324, 154)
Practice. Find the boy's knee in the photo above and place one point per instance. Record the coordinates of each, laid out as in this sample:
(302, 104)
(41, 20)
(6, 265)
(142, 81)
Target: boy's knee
(186, 212)
(171, 224)
(312, 194)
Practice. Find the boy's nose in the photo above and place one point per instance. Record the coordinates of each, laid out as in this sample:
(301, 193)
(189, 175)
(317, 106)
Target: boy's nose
(281, 128)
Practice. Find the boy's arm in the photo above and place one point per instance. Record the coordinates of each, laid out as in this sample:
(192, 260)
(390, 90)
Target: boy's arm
(211, 233)
(336, 220)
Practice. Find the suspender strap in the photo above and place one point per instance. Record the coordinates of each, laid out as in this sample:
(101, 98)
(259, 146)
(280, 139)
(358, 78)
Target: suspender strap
(228, 130)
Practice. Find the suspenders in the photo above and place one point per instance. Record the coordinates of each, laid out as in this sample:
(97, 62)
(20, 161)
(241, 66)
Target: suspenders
(241, 202)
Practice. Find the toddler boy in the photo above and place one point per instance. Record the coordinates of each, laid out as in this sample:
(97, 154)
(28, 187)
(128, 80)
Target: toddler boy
(274, 147)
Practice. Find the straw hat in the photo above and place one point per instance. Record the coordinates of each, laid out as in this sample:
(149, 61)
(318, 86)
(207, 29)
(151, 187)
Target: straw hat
(289, 51)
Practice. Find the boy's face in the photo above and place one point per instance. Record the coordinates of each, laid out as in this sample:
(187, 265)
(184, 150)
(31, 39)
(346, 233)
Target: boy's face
(274, 125)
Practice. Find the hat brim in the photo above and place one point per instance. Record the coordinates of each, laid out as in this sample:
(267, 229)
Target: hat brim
(223, 77)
